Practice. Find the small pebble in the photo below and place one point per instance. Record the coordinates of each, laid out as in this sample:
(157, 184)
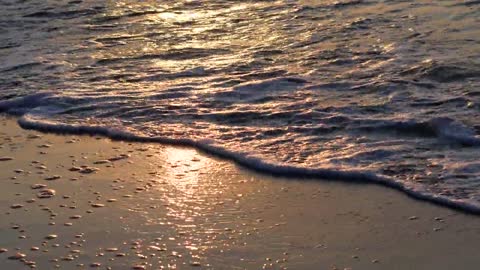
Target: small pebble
(44, 146)
(46, 193)
(32, 264)
(88, 170)
(51, 237)
(38, 186)
(17, 256)
(53, 177)
(68, 258)
(101, 162)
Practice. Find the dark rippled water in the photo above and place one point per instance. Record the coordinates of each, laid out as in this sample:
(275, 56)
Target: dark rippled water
(385, 91)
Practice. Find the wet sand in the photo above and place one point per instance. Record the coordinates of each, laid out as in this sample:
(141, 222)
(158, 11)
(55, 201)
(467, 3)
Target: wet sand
(79, 202)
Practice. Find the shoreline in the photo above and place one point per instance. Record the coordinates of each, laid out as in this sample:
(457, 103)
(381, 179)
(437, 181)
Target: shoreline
(259, 166)
(127, 205)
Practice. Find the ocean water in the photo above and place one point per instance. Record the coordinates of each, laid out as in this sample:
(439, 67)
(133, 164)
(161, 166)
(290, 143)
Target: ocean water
(384, 91)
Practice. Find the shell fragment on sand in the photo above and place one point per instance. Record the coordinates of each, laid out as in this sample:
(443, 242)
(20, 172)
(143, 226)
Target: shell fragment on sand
(16, 206)
(38, 186)
(104, 161)
(120, 157)
(51, 237)
(53, 177)
(88, 170)
(46, 193)
(17, 256)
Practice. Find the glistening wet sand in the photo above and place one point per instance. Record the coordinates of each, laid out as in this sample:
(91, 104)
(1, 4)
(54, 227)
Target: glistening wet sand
(75, 202)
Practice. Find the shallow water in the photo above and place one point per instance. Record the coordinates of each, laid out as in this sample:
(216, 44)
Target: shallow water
(380, 90)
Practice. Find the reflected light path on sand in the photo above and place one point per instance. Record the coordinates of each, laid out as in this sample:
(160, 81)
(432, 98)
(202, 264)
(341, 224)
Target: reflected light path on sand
(191, 194)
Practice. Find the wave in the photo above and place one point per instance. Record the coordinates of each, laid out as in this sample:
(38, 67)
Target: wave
(21, 105)
(443, 73)
(444, 128)
(255, 164)
(178, 54)
(65, 14)
(36, 113)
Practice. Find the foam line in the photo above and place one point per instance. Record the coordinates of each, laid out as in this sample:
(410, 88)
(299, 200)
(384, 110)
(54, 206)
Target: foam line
(251, 163)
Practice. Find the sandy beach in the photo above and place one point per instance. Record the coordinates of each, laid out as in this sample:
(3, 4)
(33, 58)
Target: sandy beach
(79, 202)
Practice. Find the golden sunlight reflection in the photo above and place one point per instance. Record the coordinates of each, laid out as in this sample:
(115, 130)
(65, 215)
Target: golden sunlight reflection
(189, 195)
(207, 34)
(185, 166)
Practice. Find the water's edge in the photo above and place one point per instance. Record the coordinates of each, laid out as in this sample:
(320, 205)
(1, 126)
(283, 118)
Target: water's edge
(253, 164)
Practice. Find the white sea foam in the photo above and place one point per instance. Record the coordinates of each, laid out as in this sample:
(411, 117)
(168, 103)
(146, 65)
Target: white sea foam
(40, 123)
